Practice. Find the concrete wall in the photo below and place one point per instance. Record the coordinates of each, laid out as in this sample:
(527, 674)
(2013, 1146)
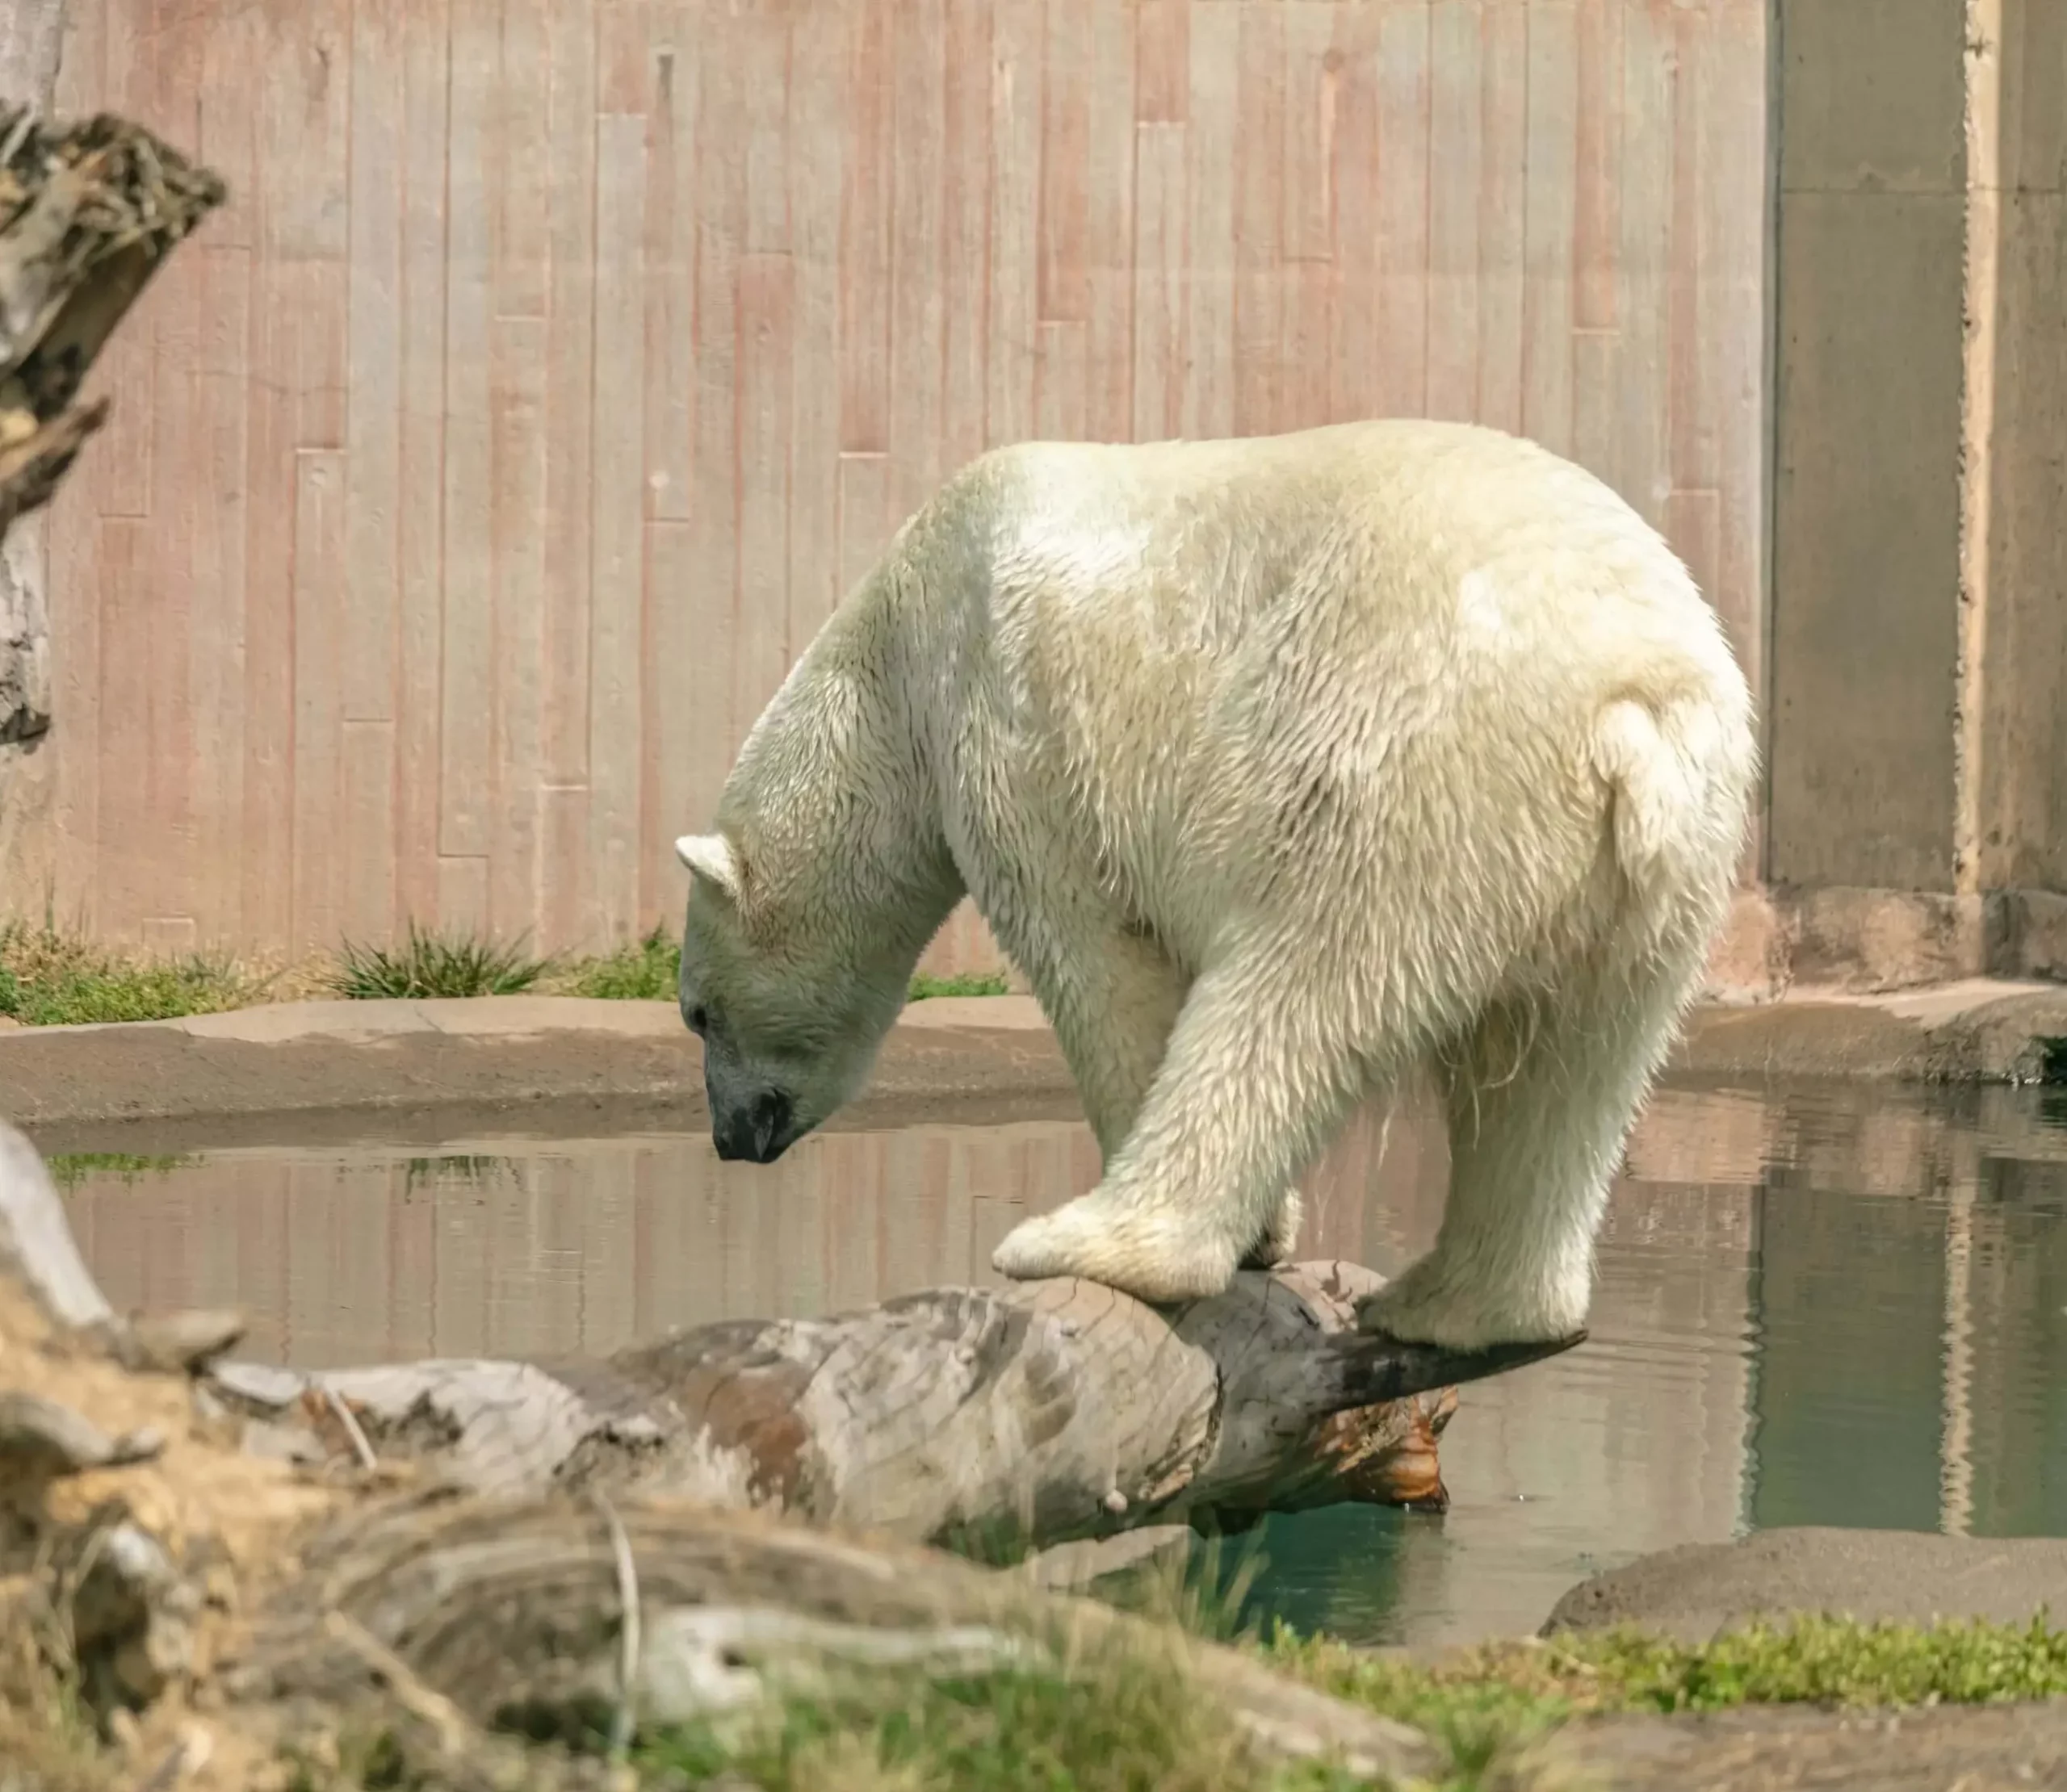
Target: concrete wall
(1918, 605)
(1872, 207)
(476, 474)
(2021, 823)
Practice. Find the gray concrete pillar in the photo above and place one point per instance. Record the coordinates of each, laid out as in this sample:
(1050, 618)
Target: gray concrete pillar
(1916, 822)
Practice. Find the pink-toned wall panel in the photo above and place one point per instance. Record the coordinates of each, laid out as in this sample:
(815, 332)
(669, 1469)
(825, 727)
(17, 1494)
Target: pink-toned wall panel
(557, 363)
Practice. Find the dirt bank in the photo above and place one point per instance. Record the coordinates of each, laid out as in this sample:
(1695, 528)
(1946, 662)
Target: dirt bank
(1950, 1748)
(561, 1066)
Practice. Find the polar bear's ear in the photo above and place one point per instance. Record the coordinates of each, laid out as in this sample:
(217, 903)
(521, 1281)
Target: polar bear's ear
(710, 857)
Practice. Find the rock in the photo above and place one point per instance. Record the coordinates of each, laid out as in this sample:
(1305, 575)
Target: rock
(1693, 1593)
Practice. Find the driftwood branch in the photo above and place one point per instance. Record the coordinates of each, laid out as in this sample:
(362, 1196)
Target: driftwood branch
(1014, 1417)
(88, 212)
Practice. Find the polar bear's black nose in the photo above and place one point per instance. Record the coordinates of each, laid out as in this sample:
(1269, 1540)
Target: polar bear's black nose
(758, 1132)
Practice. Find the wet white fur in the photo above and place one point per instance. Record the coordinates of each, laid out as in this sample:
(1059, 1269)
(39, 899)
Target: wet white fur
(1278, 765)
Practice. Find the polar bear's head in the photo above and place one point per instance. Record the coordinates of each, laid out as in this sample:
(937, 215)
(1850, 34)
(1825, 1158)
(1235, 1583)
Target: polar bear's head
(791, 1016)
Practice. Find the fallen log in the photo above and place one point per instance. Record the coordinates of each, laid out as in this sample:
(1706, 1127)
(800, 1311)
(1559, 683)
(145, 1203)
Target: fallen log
(992, 1420)
(88, 211)
(996, 1419)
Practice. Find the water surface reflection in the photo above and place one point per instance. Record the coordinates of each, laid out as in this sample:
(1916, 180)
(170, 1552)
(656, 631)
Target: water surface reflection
(1834, 1304)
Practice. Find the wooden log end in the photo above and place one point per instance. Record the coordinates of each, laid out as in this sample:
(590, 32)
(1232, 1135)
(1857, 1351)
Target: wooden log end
(1369, 1368)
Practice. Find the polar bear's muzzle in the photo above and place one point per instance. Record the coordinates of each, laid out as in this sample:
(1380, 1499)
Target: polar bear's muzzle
(757, 1130)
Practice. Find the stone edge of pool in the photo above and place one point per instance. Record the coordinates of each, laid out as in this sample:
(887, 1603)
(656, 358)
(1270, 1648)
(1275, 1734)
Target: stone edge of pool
(506, 1052)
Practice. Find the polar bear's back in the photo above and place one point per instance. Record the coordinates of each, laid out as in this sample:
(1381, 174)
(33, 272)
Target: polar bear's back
(1205, 648)
(1448, 534)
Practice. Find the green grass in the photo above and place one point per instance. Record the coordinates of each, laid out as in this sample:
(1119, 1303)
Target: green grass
(52, 979)
(1124, 1718)
(648, 969)
(924, 987)
(69, 1169)
(1483, 1703)
(1137, 1726)
(644, 971)
(428, 965)
(1132, 1725)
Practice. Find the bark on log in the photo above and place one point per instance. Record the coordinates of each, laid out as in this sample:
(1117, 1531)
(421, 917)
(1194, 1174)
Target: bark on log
(565, 1543)
(1019, 1416)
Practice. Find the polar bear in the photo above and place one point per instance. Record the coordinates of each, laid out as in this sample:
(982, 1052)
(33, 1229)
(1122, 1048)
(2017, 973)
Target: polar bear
(1280, 766)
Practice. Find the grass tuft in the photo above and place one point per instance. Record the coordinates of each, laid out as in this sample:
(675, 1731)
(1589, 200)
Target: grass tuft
(1484, 1702)
(649, 969)
(69, 1168)
(430, 966)
(646, 970)
(53, 979)
(925, 987)
(1132, 1725)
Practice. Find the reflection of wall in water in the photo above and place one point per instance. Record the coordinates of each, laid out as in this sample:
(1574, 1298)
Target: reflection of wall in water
(584, 1247)
(1850, 1300)
(2017, 1395)
(1910, 1235)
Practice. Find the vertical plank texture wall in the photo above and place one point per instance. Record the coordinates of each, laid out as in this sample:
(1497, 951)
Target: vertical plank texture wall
(557, 363)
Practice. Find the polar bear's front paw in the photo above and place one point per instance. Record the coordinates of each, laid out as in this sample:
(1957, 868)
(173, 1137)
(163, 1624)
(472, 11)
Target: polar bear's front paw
(1149, 1256)
(1426, 1305)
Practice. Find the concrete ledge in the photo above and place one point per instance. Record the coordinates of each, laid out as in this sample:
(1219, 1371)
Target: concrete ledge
(1878, 941)
(1977, 1030)
(559, 1064)
(322, 1072)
